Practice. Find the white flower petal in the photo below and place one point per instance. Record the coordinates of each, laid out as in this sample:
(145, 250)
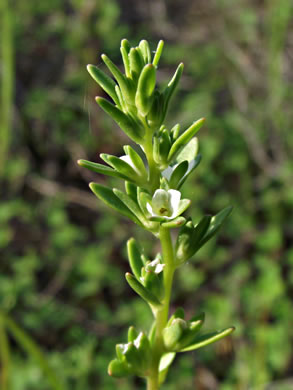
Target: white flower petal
(137, 340)
(154, 262)
(175, 199)
(156, 266)
(159, 268)
(161, 203)
(164, 204)
(150, 209)
(159, 193)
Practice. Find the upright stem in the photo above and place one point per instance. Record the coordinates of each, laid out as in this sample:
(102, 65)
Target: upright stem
(162, 314)
(154, 172)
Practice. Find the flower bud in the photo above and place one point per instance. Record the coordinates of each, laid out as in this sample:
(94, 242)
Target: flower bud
(173, 333)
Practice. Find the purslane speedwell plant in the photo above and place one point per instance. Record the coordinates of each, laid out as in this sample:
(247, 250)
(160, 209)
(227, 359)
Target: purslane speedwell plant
(153, 173)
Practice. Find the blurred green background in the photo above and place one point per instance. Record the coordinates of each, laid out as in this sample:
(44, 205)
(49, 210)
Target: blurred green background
(63, 253)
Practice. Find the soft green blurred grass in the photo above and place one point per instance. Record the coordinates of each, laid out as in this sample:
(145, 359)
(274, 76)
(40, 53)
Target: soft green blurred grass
(63, 253)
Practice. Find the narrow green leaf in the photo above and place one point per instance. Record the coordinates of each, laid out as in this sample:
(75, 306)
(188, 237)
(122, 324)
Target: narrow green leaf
(136, 161)
(171, 87)
(201, 228)
(165, 144)
(156, 149)
(145, 50)
(158, 53)
(175, 132)
(189, 151)
(183, 243)
(104, 81)
(145, 89)
(157, 219)
(165, 362)
(175, 223)
(99, 168)
(120, 165)
(132, 334)
(177, 174)
(141, 290)
(126, 45)
(126, 123)
(125, 59)
(198, 233)
(121, 79)
(110, 199)
(134, 257)
(131, 190)
(207, 339)
(216, 223)
(130, 204)
(191, 167)
(155, 116)
(161, 147)
(136, 62)
(189, 239)
(122, 105)
(143, 198)
(184, 138)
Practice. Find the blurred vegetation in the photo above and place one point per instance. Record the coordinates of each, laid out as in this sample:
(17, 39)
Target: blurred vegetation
(63, 253)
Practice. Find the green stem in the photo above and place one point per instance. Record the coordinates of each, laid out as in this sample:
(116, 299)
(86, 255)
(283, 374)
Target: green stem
(153, 382)
(154, 172)
(162, 314)
(4, 356)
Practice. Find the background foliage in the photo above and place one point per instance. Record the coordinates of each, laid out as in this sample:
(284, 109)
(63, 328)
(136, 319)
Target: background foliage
(63, 253)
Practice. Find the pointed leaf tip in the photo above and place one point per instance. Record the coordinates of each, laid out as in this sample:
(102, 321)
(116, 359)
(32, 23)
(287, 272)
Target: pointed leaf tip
(207, 339)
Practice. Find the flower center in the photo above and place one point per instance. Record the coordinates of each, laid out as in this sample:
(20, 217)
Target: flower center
(163, 210)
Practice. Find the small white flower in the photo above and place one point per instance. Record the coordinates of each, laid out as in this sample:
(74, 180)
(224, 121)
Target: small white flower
(156, 265)
(165, 204)
(138, 340)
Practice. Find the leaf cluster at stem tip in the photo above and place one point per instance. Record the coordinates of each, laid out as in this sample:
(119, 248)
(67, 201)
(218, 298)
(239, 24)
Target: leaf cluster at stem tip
(153, 168)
